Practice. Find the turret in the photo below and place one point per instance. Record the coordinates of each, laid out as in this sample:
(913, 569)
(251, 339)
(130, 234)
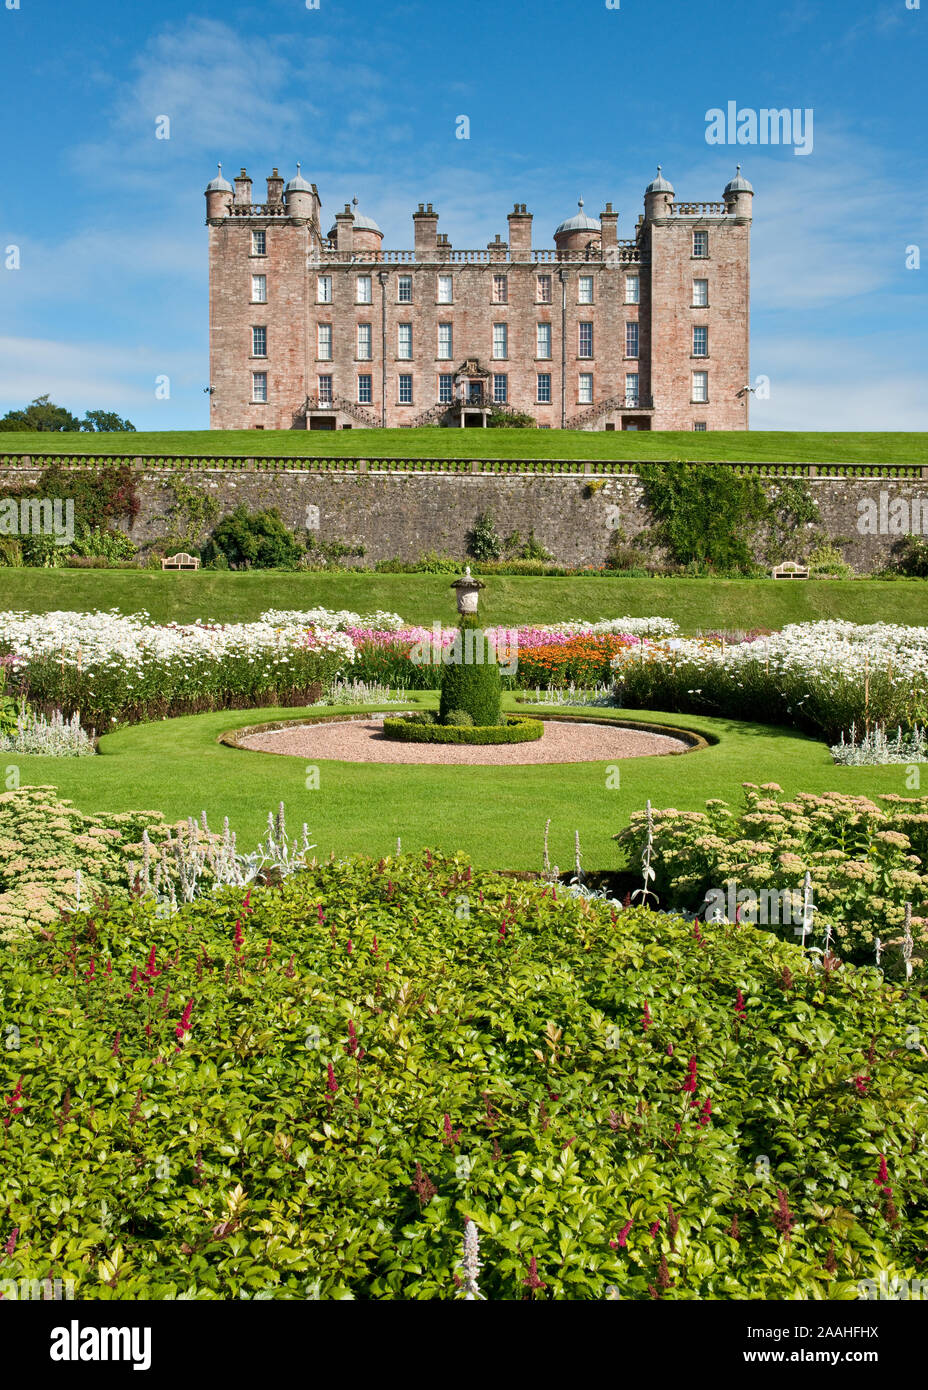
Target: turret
(658, 197)
(365, 234)
(218, 198)
(300, 198)
(578, 232)
(739, 197)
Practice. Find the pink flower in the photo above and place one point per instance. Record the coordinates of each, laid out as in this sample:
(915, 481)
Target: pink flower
(646, 1020)
(533, 1282)
(623, 1236)
(690, 1082)
(150, 971)
(375, 948)
(739, 1004)
(861, 1083)
(89, 975)
(350, 947)
(133, 983)
(115, 1051)
(882, 1180)
(670, 1049)
(321, 914)
(10, 1247)
(705, 1114)
(654, 1228)
(352, 1045)
(332, 1085)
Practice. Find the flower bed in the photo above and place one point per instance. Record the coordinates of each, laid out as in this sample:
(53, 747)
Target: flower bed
(306, 1092)
(866, 858)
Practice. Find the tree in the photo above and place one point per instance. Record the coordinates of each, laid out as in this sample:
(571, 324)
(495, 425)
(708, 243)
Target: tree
(106, 422)
(254, 540)
(41, 414)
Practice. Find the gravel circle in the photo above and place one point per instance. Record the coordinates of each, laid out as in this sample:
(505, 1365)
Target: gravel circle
(363, 741)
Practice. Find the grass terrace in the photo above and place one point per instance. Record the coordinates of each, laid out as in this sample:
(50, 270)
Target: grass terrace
(767, 446)
(693, 604)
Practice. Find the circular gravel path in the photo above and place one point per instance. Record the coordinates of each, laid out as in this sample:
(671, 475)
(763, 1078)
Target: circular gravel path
(363, 741)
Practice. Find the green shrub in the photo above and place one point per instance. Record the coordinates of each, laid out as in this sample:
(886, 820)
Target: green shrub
(459, 718)
(911, 557)
(411, 730)
(484, 541)
(322, 1084)
(826, 559)
(469, 685)
(254, 540)
(704, 513)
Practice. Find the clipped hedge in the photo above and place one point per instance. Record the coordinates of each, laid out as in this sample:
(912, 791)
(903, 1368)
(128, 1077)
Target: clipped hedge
(418, 731)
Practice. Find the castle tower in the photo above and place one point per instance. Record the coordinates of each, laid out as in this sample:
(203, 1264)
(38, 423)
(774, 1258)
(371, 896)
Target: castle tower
(219, 194)
(578, 232)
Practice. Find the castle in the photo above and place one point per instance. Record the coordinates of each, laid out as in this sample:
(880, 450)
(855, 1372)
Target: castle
(327, 331)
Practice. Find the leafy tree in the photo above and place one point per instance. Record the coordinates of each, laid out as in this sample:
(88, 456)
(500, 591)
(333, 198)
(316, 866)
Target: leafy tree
(40, 414)
(106, 422)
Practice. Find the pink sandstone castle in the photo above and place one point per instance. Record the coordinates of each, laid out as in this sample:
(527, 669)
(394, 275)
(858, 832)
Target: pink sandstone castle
(328, 330)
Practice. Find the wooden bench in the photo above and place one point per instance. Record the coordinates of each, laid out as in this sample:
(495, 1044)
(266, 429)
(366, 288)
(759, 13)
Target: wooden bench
(789, 570)
(180, 561)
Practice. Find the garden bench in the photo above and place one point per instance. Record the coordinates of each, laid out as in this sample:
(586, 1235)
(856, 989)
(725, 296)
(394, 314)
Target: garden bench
(180, 561)
(790, 570)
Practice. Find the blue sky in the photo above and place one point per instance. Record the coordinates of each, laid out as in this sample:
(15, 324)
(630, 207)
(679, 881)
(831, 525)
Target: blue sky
(564, 98)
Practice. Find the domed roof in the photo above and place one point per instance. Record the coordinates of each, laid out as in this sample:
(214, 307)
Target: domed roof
(580, 223)
(219, 184)
(738, 185)
(299, 184)
(660, 184)
(361, 223)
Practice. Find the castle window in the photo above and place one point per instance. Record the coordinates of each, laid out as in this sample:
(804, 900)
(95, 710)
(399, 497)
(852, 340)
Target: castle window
(259, 342)
(324, 341)
(500, 388)
(585, 392)
(631, 340)
(585, 290)
(586, 340)
(700, 243)
(404, 341)
(700, 341)
(500, 289)
(445, 389)
(364, 289)
(446, 289)
(365, 391)
(631, 389)
(544, 388)
(323, 289)
(405, 390)
(543, 340)
(259, 289)
(500, 340)
(445, 341)
(404, 289)
(365, 342)
(259, 386)
(701, 387)
(259, 243)
(700, 294)
(699, 425)
(543, 283)
(632, 289)
(325, 390)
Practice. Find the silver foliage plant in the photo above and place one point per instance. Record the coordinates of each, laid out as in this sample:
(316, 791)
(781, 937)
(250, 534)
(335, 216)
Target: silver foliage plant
(55, 737)
(196, 862)
(877, 747)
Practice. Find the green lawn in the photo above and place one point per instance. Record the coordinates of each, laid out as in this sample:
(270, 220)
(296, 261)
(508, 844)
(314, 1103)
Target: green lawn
(494, 815)
(422, 598)
(771, 446)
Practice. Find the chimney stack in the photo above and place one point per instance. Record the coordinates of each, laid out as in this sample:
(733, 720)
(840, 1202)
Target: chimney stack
(242, 189)
(610, 225)
(425, 224)
(275, 189)
(520, 233)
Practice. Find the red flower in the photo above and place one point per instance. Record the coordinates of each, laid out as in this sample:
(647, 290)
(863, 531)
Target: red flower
(375, 948)
(654, 1228)
(739, 1004)
(246, 902)
(115, 1052)
(321, 914)
(883, 1179)
(10, 1247)
(11, 1100)
(451, 1135)
(533, 1282)
(332, 1085)
(670, 1049)
(350, 947)
(690, 1082)
(352, 1044)
(184, 1025)
(92, 971)
(646, 1020)
(861, 1083)
(239, 936)
(705, 1114)
(623, 1236)
(150, 971)
(784, 1220)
